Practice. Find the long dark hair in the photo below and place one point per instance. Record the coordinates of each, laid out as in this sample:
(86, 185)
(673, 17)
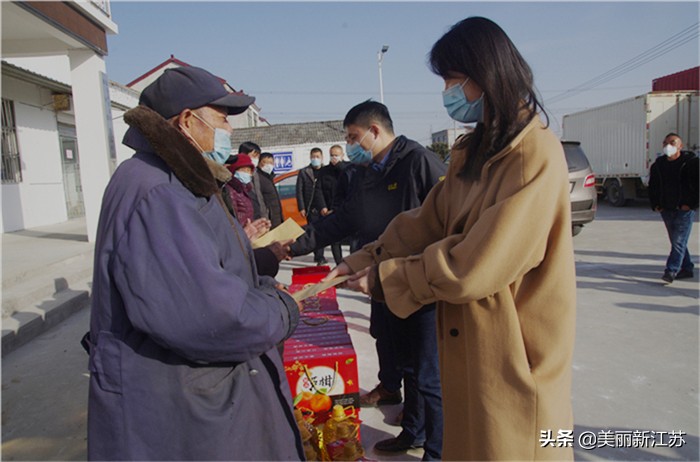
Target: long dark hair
(481, 50)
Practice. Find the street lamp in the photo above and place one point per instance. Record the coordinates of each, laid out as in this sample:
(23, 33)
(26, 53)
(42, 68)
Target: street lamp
(380, 58)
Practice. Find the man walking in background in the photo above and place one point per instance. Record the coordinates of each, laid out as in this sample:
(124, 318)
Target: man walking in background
(673, 192)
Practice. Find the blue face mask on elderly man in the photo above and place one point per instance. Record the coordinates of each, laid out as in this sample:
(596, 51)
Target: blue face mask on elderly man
(222, 144)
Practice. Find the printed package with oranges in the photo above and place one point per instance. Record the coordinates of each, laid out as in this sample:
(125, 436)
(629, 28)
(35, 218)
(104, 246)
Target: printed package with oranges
(321, 368)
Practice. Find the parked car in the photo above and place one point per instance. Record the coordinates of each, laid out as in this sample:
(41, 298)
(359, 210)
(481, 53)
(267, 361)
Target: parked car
(582, 192)
(286, 184)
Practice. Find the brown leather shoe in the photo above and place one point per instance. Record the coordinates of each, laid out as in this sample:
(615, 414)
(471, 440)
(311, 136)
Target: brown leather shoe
(379, 396)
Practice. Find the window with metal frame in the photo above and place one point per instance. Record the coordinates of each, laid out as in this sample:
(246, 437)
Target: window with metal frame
(11, 167)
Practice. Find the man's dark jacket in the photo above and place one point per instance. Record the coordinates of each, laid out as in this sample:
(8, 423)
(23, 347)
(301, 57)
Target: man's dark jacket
(309, 194)
(328, 177)
(377, 197)
(690, 189)
(271, 197)
(183, 362)
(666, 182)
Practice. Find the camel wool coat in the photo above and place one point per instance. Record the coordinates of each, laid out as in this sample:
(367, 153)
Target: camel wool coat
(497, 256)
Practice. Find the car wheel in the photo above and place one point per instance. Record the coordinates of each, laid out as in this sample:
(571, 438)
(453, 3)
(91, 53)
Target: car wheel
(576, 229)
(614, 193)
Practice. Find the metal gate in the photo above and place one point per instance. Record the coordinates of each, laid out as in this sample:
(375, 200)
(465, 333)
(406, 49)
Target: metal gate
(71, 171)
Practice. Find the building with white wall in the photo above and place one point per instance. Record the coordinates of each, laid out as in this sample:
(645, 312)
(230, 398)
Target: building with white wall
(58, 147)
(45, 187)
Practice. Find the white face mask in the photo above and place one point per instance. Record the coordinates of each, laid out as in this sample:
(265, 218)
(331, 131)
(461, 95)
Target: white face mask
(267, 168)
(255, 161)
(670, 150)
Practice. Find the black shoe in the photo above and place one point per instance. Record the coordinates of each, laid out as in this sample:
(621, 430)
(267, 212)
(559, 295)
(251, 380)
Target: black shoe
(322, 262)
(685, 274)
(401, 443)
(668, 276)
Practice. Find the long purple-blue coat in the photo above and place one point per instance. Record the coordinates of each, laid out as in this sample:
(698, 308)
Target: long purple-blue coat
(184, 364)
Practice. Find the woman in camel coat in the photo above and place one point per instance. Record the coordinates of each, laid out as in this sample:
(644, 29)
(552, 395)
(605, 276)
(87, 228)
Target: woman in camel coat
(492, 246)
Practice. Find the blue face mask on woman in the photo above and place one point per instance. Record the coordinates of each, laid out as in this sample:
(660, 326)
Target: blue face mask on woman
(243, 177)
(222, 144)
(357, 154)
(459, 108)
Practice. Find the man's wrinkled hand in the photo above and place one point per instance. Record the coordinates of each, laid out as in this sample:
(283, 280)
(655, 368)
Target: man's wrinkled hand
(283, 288)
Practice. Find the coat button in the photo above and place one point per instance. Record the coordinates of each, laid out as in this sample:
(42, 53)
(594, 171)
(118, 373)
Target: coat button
(454, 332)
(253, 372)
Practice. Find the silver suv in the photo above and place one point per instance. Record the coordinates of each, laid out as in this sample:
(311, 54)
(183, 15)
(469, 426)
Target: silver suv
(582, 192)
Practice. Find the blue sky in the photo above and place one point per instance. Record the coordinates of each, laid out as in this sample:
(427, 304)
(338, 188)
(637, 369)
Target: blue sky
(315, 60)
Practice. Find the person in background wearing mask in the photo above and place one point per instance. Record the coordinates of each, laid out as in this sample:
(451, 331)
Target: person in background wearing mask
(394, 174)
(238, 188)
(492, 246)
(671, 193)
(183, 335)
(267, 258)
(328, 177)
(310, 201)
(269, 192)
(260, 210)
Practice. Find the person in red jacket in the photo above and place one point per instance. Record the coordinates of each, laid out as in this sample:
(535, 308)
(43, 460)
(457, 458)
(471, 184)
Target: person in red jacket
(239, 186)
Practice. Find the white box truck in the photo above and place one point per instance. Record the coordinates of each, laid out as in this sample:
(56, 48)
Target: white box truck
(623, 139)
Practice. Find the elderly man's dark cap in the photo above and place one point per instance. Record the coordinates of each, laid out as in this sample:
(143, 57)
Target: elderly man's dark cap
(191, 87)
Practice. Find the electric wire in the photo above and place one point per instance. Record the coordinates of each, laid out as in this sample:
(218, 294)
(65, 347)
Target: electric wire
(681, 38)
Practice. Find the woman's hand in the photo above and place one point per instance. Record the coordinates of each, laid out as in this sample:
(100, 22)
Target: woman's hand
(340, 270)
(360, 281)
(257, 228)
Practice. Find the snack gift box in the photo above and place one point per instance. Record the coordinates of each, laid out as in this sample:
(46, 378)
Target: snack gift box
(321, 368)
(320, 377)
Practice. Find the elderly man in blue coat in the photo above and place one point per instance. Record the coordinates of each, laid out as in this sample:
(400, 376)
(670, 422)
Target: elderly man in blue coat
(184, 363)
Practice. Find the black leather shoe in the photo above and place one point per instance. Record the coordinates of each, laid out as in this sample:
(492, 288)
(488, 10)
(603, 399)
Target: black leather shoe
(685, 274)
(668, 277)
(399, 444)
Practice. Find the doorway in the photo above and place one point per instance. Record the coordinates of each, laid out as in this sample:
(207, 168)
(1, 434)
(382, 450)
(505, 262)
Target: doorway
(71, 171)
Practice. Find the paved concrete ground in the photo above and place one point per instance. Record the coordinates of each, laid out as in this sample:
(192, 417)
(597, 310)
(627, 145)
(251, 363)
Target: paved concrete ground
(635, 364)
(46, 273)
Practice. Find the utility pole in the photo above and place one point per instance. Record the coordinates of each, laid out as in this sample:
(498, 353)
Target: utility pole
(380, 58)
